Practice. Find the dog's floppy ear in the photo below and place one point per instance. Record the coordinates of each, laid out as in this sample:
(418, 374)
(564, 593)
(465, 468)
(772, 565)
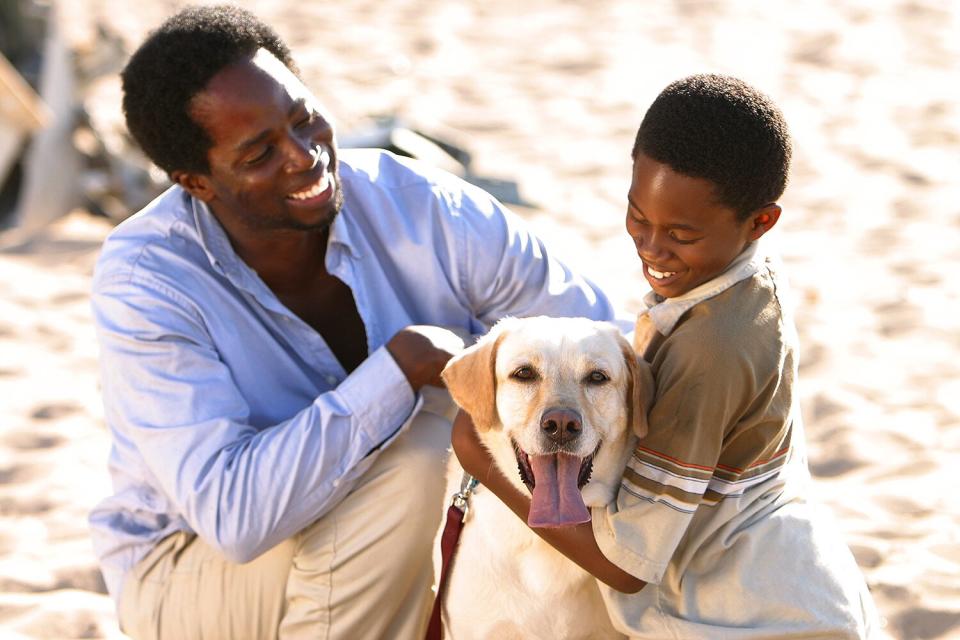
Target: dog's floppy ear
(471, 379)
(640, 390)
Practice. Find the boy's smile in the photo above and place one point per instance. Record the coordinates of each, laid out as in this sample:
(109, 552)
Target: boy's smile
(683, 234)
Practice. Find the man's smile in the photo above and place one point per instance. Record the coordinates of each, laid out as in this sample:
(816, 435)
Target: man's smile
(322, 184)
(316, 189)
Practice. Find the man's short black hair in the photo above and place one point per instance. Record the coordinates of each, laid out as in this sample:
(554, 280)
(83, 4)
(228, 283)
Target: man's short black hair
(720, 128)
(176, 62)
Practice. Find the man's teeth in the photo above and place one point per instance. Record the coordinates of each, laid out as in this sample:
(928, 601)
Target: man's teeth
(660, 275)
(319, 187)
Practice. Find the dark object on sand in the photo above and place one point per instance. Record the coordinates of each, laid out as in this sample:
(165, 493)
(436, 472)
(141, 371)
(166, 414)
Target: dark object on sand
(392, 134)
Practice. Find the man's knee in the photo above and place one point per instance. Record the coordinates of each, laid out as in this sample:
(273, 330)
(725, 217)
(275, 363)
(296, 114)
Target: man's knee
(186, 588)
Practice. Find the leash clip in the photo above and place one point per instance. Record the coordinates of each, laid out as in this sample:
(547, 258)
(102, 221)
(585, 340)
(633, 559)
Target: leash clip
(461, 499)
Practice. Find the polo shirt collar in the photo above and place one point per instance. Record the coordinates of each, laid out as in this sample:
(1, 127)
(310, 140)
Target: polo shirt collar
(666, 312)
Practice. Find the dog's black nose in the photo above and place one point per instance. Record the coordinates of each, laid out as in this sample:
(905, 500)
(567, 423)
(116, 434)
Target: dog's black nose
(561, 425)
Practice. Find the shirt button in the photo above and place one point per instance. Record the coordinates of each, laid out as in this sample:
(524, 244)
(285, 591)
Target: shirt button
(332, 380)
(336, 483)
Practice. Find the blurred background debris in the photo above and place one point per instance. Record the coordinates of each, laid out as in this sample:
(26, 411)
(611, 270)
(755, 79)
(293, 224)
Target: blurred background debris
(432, 144)
(41, 177)
(57, 152)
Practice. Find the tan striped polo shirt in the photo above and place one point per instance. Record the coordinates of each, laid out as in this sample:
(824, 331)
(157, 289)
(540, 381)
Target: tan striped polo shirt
(712, 510)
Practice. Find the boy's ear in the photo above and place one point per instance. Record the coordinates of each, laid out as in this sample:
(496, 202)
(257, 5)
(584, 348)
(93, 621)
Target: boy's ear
(763, 219)
(196, 184)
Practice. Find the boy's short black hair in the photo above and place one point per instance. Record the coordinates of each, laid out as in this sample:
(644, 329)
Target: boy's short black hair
(176, 62)
(722, 129)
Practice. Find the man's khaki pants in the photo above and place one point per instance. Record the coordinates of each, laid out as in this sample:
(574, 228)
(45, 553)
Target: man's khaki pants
(363, 571)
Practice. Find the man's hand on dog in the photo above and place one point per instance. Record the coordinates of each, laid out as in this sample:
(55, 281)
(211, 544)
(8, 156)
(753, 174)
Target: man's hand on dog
(422, 351)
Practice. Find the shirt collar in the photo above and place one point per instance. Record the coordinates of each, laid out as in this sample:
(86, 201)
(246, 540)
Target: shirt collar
(340, 234)
(213, 239)
(666, 312)
(220, 252)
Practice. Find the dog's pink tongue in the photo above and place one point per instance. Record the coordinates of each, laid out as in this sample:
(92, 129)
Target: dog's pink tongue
(556, 500)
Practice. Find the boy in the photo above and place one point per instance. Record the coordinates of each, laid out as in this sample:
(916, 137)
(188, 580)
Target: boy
(711, 535)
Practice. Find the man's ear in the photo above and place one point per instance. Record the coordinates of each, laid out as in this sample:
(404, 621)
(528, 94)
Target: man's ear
(640, 389)
(763, 219)
(196, 184)
(471, 379)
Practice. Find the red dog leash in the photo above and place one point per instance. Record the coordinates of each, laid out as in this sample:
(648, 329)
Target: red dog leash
(456, 514)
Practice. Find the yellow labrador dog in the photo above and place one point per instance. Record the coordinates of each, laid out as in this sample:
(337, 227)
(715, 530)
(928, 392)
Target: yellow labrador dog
(559, 403)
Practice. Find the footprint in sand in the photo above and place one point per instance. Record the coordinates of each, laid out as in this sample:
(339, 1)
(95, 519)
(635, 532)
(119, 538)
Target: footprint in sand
(67, 298)
(905, 507)
(53, 411)
(86, 578)
(816, 50)
(866, 556)
(822, 407)
(31, 441)
(813, 354)
(834, 467)
(895, 318)
(14, 585)
(10, 506)
(919, 623)
(19, 473)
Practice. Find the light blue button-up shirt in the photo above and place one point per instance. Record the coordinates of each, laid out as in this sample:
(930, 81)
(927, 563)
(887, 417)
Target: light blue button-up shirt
(230, 416)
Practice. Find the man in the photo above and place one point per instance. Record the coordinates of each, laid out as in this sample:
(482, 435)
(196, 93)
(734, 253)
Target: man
(270, 329)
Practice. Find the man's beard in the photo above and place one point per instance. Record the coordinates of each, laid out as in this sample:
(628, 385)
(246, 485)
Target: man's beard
(289, 223)
(336, 203)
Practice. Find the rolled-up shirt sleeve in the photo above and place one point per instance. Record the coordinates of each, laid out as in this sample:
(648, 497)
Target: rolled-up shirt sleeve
(168, 394)
(505, 269)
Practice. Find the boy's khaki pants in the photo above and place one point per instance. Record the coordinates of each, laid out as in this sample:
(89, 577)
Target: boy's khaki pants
(362, 571)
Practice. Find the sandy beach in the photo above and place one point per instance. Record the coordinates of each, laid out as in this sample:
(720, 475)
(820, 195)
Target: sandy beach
(549, 93)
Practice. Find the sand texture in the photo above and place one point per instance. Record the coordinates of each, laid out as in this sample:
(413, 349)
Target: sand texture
(549, 93)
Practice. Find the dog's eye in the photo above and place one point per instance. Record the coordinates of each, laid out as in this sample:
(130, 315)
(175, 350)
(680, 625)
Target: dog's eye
(524, 373)
(597, 377)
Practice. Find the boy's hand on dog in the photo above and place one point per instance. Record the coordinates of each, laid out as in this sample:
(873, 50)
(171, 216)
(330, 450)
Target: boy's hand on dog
(422, 351)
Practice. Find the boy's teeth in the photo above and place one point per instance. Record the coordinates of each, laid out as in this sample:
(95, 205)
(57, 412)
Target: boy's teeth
(315, 190)
(660, 275)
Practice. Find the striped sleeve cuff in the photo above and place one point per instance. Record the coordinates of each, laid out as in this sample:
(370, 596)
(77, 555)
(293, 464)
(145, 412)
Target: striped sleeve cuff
(616, 546)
